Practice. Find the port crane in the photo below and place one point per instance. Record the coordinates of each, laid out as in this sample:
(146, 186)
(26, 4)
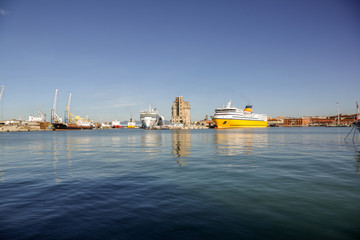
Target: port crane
(54, 117)
(41, 115)
(67, 116)
(1, 91)
(73, 118)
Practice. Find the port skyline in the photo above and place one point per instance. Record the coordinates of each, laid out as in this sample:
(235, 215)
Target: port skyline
(296, 59)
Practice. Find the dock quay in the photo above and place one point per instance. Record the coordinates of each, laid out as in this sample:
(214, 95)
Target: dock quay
(22, 126)
(21, 129)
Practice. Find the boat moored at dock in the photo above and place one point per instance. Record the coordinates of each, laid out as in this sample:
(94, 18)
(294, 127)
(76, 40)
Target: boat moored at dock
(71, 126)
(131, 123)
(150, 118)
(116, 124)
(232, 117)
(71, 122)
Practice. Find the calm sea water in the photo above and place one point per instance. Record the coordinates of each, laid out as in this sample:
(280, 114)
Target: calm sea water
(274, 183)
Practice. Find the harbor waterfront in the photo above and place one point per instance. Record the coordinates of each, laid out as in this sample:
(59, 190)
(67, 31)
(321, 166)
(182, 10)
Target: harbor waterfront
(262, 183)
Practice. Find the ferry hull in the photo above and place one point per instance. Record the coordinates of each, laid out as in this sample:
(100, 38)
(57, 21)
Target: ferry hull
(239, 123)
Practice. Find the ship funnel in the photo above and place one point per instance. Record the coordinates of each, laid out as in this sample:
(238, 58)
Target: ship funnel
(248, 108)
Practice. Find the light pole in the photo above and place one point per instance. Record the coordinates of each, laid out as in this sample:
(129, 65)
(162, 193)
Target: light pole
(1, 93)
(338, 109)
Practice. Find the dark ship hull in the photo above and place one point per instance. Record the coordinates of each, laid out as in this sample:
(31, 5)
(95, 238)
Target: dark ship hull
(64, 126)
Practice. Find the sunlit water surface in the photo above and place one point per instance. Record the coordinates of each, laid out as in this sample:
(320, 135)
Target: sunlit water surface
(274, 183)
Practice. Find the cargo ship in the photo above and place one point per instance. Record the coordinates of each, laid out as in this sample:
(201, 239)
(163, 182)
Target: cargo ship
(232, 117)
(71, 122)
(72, 126)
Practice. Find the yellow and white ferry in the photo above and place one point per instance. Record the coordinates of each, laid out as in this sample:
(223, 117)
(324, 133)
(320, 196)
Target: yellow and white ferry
(232, 117)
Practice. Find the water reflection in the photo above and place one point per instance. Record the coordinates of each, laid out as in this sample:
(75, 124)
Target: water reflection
(131, 143)
(63, 148)
(69, 154)
(2, 174)
(357, 163)
(55, 158)
(151, 142)
(238, 141)
(115, 140)
(181, 145)
(78, 143)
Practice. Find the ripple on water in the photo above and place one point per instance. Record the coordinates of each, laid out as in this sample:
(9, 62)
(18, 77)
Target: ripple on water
(263, 184)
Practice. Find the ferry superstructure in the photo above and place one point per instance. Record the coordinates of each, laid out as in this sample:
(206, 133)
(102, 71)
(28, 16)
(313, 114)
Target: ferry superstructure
(150, 118)
(232, 117)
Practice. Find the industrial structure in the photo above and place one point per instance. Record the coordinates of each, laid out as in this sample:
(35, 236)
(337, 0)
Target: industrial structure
(41, 117)
(341, 120)
(180, 111)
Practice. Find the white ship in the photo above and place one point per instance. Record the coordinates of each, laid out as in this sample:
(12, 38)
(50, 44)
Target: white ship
(231, 117)
(150, 118)
(115, 124)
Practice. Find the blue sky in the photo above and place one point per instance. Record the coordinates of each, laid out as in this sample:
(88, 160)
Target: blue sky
(287, 58)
